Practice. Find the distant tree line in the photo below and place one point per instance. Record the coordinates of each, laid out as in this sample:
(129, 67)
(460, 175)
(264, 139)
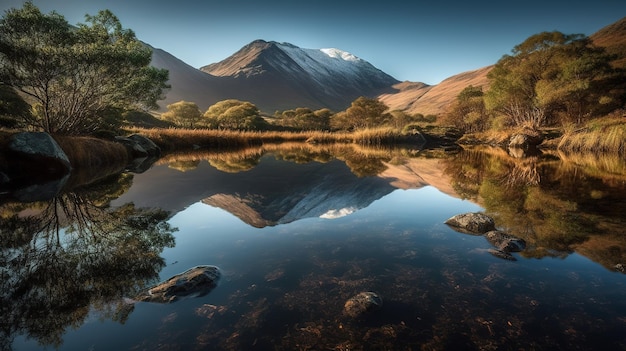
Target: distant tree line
(234, 114)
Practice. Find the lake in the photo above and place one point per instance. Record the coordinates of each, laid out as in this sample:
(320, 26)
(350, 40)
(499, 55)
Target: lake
(298, 230)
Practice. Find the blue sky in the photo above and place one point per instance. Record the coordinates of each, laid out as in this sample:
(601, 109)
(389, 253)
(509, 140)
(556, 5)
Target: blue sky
(425, 41)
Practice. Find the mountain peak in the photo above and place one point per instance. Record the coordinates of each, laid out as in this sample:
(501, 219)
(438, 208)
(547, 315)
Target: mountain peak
(331, 76)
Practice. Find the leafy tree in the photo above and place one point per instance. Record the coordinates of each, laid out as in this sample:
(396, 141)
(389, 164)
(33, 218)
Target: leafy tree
(305, 119)
(363, 113)
(551, 73)
(183, 113)
(13, 108)
(73, 73)
(468, 112)
(235, 114)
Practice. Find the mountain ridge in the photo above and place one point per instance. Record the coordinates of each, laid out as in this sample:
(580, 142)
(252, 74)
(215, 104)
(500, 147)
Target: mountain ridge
(279, 76)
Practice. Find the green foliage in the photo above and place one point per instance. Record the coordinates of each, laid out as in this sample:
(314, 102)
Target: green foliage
(183, 114)
(304, 119)
(552, 77)
(72, 74)
(13, 109)
(468, 112)
(236, 115)
(363, 113)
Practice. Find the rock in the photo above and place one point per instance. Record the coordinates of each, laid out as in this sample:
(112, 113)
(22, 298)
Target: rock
(134, 149)
(194, 282)
(38, 153)
(505, 242)
(471, 223)
(525, 140)
(502, 254)
(362, 303)
(620, 268)
(148, 145)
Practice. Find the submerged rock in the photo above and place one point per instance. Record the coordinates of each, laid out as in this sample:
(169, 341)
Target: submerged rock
(194, 282)
(471, 223)
(505, 242)
(502, 254)
(362, 303)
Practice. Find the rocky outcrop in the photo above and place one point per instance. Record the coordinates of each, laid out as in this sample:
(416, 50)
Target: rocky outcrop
(194, 282)
(481, 224)
(143, 152)
(139, 146)
(38, 153)
(471, 223)
(35, 167)
(362, 303)
(505, 242)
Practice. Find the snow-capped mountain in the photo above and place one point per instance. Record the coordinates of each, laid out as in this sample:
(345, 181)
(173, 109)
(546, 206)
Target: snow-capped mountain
(326, 77)
(329, 71)
(276, 76)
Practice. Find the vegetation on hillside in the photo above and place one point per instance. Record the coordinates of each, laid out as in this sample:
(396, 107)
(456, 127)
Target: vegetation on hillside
(551, 79)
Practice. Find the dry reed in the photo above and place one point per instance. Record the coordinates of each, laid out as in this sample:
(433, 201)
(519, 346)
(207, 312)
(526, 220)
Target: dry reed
(607, 135)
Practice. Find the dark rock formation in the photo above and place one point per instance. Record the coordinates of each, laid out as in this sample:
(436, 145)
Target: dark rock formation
(194, 282)
(505, 242)
(37, 153)
(471, 223)
(148, 145)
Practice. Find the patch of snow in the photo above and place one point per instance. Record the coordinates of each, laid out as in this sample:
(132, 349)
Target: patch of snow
(342, 212)
(325, 63)
(336, 53)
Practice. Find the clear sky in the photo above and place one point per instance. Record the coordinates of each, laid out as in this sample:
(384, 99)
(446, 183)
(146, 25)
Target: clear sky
(424, 41)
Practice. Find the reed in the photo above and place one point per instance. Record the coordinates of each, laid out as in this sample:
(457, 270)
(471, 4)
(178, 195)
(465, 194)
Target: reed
(93, 158)
(177, 139)
(606, 135)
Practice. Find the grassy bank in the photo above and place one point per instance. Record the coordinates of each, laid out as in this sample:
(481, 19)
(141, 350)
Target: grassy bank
(178, 139)
(607, 136)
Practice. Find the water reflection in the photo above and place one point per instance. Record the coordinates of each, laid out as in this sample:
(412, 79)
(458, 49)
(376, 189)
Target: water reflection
(299, 229)
(63, 257)
(557, 205)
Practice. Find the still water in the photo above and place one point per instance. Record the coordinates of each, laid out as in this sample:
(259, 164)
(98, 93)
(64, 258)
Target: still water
(298, 231)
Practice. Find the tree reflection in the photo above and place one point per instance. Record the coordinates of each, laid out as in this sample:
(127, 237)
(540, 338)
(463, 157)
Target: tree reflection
(62, 257)
(552, 204)
(362, 161)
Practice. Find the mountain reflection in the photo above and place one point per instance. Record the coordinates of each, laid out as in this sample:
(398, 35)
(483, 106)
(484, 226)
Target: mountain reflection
(60, 257)
(86, 249)
(558, 203)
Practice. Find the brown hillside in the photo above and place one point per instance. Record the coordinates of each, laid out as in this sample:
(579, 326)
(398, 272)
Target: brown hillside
(433, 100)
(613, 38)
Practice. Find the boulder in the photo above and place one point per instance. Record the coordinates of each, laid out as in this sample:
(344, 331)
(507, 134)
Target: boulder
(134, 149)
(148, 145)
(194, 282)
(505, 242)
(471, 223)
(38, 153)
(362, 303)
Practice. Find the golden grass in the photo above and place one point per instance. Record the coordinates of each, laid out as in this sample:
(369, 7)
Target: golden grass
(93, 158)
(606, 135)
(173, 138)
